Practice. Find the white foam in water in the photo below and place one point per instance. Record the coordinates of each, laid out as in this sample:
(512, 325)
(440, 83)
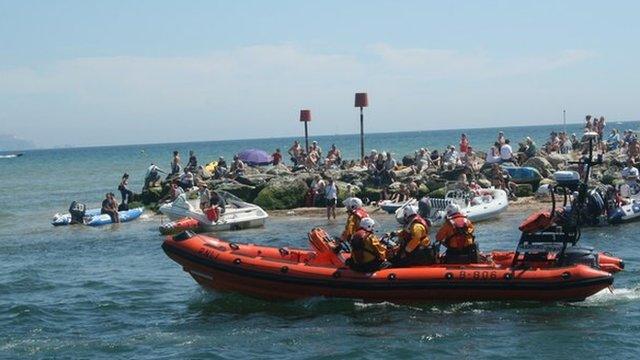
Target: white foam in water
(384, 304)
(606, 296)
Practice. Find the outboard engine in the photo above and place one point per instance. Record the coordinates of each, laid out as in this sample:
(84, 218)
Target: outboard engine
(77, 211)
(424, 207)
(595, 207)
(580, 255)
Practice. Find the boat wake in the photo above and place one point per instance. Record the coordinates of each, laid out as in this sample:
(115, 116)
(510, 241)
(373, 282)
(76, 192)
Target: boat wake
(607, 296)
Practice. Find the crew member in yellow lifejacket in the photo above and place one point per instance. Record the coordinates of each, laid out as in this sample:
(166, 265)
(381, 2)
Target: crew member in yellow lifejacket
(456, 234)
(355, 213)
(367, 253)
(413, 247)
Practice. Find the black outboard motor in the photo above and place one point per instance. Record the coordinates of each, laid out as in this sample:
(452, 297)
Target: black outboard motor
(424, 208)
(77, 211)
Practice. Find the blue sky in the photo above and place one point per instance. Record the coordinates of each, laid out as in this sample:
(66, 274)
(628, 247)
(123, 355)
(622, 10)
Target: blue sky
(118, 72)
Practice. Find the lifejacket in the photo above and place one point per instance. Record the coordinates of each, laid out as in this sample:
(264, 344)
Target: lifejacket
(366, 248)
(462, 235)
(407, 233)
(353, 223)
(361, 213)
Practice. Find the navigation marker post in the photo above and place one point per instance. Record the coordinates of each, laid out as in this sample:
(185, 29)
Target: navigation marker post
(305, 117)
(362, 101)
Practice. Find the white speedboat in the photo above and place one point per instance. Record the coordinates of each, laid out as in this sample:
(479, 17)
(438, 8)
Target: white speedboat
(478, 205)
(237, 215)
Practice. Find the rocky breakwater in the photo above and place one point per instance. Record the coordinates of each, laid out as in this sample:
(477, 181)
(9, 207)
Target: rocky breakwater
(278, 188)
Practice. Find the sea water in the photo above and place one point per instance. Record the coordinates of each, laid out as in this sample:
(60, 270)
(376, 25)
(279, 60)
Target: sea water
(110, 292)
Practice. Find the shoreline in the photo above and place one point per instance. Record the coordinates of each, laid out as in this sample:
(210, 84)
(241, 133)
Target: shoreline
(522, 204)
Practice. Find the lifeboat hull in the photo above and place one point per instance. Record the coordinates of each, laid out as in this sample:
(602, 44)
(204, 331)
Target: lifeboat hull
(270, 273)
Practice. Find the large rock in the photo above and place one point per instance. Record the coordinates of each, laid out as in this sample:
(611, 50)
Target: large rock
(453, 175)
(244, 192)
(355, 177)
(279, 170)
(558, 159)
(438, 193)
(403, 174)
(541, 164)
(151, 195)
(435, 183)
(282, 193)
(371, 193)
(259, 180)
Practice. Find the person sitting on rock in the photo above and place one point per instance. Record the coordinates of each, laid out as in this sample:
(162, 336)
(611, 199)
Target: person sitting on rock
(367, 252)
(355, 213)
(221, 169)
(402, 195)
(237, 167)
(334, 155)
(450, 158)
(192, 164)
(413, 247)
(187, 180)
(173, 194)
(152, 176)
(457, 235)
(531, 149)
(315, 147)
(506, 153)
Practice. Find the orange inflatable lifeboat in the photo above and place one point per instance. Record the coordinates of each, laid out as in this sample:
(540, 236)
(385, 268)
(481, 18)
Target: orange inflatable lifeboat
(531, 272)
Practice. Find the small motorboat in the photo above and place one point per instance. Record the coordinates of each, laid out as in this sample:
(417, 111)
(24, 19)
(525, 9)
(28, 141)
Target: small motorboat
(542, 268)
(477, 205)
(392, 206)
(10, 156)
(547, 265)
(185, 214)
(93, 217)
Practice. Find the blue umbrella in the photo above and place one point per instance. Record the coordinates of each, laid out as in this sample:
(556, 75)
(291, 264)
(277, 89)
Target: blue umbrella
(255, 157)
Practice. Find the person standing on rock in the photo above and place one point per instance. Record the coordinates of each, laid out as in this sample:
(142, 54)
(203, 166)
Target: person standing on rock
(331, 197)
(464, 144)
(294, 152)
(176, 166)
(277, 157)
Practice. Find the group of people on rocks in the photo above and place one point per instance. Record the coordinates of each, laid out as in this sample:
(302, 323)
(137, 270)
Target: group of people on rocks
(413, 247)
(312, 159)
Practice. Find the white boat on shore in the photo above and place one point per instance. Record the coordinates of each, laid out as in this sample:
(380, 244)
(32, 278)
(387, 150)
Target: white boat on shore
(478, 205)
(237, 215)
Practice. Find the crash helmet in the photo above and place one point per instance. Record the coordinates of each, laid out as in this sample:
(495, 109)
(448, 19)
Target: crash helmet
(409, 211)
(452, 209)
(367, 224)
